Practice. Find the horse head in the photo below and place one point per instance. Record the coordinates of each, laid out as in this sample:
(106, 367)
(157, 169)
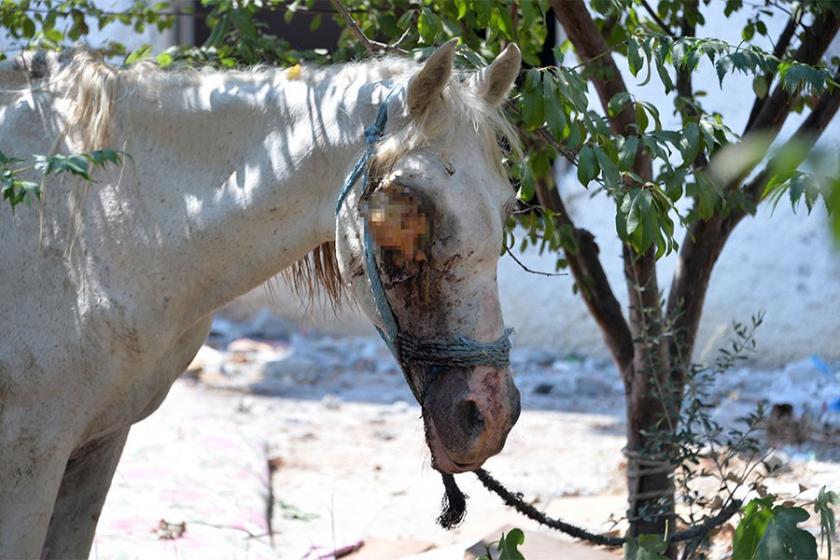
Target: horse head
(418, 240)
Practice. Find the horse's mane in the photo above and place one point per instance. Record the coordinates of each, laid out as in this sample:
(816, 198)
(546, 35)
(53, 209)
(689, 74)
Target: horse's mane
(83, 76)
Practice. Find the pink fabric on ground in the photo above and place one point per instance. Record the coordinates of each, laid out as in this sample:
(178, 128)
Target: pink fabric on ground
(194, 464)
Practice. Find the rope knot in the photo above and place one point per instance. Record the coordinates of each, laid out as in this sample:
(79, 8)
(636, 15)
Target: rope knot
(372, 134)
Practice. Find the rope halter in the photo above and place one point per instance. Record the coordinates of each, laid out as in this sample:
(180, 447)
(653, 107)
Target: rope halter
(461, 351)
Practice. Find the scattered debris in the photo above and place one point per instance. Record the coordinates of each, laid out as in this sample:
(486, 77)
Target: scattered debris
(167, 531)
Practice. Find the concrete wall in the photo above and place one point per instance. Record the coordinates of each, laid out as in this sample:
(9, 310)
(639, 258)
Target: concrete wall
(781, 263)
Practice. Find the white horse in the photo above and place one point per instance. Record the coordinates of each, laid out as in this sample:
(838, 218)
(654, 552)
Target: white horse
(108, 289)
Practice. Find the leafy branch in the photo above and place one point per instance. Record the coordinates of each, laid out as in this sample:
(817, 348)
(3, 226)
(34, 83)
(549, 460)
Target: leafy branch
(17, 190)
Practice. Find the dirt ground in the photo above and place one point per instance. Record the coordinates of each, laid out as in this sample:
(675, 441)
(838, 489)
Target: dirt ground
(342, 462)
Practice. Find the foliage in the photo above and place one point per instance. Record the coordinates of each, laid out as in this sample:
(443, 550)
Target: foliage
(699, 446)
(645, 547)
(17, 190)
(552, 107)
(824, 507)
(52, 24)
(508, 546)
(768, 531)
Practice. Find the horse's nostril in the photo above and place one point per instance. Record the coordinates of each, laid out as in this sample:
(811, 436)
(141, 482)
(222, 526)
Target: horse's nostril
(470, 418)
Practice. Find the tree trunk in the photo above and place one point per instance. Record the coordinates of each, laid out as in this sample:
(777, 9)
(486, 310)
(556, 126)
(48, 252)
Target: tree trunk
(652, 409)
(646, 370)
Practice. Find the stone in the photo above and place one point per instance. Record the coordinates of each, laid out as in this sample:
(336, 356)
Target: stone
(775, 462)
(266, 325)
(331, 402)
(295, 369)
(543, 388)
(224, 329)
(589, 386)
(206, 359)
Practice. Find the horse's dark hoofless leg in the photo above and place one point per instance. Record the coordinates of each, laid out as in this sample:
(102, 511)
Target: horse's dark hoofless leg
(83, 489)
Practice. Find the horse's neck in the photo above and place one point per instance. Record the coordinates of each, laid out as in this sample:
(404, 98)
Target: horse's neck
(242, 174)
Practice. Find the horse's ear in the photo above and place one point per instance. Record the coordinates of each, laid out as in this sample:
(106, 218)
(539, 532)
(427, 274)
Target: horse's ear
(428, 83)
(494, 82)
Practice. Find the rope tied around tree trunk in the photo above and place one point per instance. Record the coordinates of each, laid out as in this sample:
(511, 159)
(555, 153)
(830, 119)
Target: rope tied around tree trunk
(640, 465)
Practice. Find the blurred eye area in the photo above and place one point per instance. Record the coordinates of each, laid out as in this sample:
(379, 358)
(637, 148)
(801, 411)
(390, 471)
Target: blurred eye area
(400, 223)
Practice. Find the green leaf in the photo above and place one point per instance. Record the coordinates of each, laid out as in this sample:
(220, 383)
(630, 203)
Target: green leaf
(627, 153)
(608, 168)
(141, 52)
(53, 35)
(532, 100)
(690, 143)
(783, 540)
(508, 545)
(587, 165)
(641, 117)
(634, 57)
(654, 112)
(760, 86)
(101, 158)
(315, 23)
(646, 547)
(723, 66)
(824, 507)
(641, 225)
(757, 516)
(164, 59)
(462, 8)
(748, 32)
(554, 115)
(28, 28)
(665, 77)
(618, 102)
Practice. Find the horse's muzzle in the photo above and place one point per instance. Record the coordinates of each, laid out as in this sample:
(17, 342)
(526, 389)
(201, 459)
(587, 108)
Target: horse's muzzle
(468, 414)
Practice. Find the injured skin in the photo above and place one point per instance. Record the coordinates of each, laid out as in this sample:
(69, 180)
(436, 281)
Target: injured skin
(400, 226)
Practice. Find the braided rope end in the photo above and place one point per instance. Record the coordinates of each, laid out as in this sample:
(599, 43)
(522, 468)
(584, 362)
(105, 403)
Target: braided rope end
(453, 505)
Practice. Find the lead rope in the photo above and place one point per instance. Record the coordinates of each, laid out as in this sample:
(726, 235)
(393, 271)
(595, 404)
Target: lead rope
(407, 350)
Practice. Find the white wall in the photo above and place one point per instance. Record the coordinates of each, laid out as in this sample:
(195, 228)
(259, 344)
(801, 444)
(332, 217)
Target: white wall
(113, 32)
(782, 263)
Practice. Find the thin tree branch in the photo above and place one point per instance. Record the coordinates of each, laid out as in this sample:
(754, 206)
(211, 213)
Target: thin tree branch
(685, 89)
(801, 142)
(778, 51)
(354, 27)
(815, 41)
(657, 19)
(370, 45)
(589, 43)
(526, 269)
(705, 239)
(592, 48)
(592, 282)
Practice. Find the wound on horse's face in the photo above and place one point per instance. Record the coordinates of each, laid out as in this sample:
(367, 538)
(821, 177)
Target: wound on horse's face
(401, 225)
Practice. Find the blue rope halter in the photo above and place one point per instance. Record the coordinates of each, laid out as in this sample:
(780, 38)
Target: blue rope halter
(407, 350)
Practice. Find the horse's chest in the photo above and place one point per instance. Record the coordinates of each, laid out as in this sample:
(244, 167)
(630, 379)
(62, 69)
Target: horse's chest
(137, 391)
